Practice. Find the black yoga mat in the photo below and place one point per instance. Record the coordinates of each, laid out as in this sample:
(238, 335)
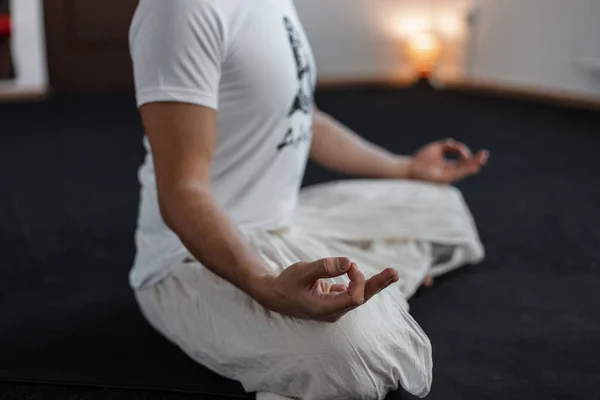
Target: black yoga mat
(522, 325)
(69, 205)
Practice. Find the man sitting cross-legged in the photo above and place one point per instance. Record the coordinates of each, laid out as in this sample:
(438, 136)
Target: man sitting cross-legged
(297, 293)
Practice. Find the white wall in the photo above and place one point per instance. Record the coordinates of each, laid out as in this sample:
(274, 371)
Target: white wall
(348, 39)
(28, 43)
(362, 39)
(547, 45)
(550, 45)
(542, 45)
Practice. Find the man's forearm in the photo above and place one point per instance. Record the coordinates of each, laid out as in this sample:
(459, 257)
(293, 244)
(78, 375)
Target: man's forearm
(212, 238)
(337, 148)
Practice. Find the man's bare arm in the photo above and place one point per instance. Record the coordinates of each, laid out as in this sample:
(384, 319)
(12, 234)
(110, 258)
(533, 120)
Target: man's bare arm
(338, 148)
(182, 138)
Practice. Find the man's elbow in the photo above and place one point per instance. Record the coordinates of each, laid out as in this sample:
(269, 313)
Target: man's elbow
(175, 201)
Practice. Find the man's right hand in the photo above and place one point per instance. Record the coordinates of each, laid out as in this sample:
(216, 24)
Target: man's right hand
(302, 290)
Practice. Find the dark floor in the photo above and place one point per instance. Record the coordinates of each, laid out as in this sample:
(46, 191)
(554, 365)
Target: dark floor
(525, 324)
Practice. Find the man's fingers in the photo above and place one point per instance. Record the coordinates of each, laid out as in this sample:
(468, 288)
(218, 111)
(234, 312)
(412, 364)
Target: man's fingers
(342, 302)
(466, 156)
(325, 268)
(320, 287)
(338, 287)
(379, 282)
(452, 146)
(482, 157)
(428, 281)
(356, 287)
(456, 172)
(337, 304)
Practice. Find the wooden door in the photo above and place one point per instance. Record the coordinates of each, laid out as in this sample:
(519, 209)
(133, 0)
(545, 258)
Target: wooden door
(6, 63)
(87, 44)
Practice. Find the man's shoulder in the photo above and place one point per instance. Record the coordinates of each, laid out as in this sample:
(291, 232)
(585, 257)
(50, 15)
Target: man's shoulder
(183, 7)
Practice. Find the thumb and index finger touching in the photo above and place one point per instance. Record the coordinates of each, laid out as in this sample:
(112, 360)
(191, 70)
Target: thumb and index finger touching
(326, 268)
(331, 268)
(468, 164)
(452, 146)
(358, 290)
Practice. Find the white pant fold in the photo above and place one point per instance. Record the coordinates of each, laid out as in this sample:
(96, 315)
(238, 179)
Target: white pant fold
(414, 227)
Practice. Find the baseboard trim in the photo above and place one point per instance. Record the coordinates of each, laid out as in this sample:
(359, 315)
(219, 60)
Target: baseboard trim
(353, 82)
(563, 98)
(12, 92)
(475, 86)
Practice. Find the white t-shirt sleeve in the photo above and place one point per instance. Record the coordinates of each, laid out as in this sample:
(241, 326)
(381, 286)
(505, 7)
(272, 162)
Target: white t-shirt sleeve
(177, 49)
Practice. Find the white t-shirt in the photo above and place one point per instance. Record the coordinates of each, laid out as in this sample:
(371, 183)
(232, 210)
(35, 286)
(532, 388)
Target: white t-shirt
(251, 61)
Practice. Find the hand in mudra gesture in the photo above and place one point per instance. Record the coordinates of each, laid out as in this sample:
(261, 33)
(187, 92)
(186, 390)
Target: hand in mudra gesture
(302, 290)
(430, 163)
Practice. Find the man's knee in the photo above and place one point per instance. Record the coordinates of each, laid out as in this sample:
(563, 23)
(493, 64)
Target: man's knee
(329, 376)
(375, 358)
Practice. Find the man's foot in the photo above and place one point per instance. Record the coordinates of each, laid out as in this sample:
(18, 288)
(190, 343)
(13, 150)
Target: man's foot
(428, 282)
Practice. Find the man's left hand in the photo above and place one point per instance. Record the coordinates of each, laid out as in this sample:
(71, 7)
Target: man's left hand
(430, 163)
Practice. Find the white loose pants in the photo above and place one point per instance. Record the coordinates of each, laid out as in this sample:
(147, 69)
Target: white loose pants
(416, 228)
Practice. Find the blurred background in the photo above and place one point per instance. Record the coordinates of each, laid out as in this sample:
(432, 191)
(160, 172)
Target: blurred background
(539, 46)
(518, 77)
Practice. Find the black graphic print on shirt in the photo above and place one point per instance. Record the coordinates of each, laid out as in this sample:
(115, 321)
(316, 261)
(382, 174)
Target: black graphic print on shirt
(302, 101)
